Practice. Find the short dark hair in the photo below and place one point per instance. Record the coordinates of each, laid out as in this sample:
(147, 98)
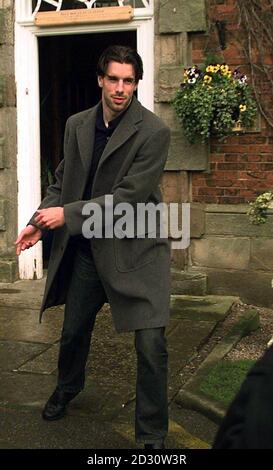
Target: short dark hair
(123, 55)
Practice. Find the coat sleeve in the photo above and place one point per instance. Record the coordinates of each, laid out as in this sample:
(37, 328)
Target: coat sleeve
(136, 186)
(53, 193)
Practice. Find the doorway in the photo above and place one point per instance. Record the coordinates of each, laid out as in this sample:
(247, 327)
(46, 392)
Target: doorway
(68, 84)
(27, 38)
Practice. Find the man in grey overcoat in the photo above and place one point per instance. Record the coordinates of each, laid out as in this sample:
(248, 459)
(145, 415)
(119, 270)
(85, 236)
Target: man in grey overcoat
(119, 149)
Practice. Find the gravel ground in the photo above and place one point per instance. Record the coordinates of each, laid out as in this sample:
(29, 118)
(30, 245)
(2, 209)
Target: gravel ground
(254, 345)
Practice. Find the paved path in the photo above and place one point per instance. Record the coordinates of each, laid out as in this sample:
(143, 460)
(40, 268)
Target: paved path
(102, 416)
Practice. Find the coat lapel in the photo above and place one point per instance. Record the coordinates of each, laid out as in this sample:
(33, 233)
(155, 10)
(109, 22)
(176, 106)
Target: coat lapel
(86, 135)
(126, 128)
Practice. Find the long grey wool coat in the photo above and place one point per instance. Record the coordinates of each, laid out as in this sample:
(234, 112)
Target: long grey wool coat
(135, 272)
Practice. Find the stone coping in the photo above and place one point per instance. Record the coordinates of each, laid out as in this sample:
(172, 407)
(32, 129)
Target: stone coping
(229, 208)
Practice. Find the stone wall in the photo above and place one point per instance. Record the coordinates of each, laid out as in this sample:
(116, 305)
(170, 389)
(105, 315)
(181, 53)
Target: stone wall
(236, 255)
(8, 150)
(174, 21)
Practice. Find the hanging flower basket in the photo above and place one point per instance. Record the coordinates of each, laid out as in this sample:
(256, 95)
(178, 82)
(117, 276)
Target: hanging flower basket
(214, 101)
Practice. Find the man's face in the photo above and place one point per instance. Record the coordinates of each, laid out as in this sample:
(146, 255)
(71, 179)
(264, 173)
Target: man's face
(118, 86)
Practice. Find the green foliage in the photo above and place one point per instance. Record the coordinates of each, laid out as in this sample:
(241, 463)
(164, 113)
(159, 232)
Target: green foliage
(225, 379)
(257, 211)
(213, 101)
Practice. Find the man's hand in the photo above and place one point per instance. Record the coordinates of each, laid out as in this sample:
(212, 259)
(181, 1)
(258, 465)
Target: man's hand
(27, 238)
(50, 218)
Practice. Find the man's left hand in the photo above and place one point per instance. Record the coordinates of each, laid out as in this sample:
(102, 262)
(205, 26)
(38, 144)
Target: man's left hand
(50, 218)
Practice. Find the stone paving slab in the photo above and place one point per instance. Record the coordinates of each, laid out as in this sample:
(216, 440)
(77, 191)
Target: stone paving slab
(22, 324)
(25, 390)
(207, 308)
(26, 430)
(22, 293)
(44, 363)
(14, 354)
(183, 345)
(194, 423)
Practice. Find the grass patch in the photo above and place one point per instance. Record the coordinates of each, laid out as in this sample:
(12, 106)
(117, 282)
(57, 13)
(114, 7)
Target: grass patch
(225, 379)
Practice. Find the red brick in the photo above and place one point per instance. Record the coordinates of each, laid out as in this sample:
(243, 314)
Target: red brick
(231, 200)
(247, 175)
(243, 158)
(231, 157)
(217, 157)
(237, 149)
(267, 166)
(254, 166)
(195, 191)
(232, 192)
(258, 185)
(230, 166)
(225, 8)
(260, 148)
(210, 191)
(269, 178)
(256, 174)
(207, 199)
(254, 158)
(243, 184)
(246, 194)
(220, 183)
(197, 57)
(250, 139)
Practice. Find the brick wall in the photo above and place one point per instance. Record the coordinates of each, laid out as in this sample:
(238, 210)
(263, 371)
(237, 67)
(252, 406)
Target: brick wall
(241, 166)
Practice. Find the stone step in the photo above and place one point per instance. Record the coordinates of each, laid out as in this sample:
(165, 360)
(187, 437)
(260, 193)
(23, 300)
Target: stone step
(197, 308)
(184, 282)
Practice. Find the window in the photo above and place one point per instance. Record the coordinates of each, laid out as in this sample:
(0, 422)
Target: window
(51, 5)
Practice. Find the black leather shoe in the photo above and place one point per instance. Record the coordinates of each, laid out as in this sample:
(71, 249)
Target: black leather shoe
(155, 445)
(55, 407)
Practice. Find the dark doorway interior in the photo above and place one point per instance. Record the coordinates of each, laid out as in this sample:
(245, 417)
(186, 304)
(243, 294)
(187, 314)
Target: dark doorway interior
(68, 84)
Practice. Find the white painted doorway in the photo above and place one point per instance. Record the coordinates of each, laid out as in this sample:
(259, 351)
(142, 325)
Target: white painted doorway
(28, 106)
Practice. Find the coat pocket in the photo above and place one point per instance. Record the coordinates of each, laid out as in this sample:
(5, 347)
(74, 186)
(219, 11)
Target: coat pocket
(134, 253)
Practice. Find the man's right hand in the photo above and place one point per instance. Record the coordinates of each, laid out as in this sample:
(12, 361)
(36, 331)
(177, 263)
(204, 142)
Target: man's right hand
(27, 238)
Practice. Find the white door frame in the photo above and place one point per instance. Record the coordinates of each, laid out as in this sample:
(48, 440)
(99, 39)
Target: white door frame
(28, 112)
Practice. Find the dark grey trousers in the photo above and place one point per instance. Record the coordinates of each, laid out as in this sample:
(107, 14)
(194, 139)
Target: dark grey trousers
(85, 298)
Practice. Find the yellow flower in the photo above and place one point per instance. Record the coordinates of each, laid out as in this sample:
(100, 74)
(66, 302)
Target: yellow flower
(209, 68)
(242, 108)
(215, 68)
(224, 69)
(207, 79)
